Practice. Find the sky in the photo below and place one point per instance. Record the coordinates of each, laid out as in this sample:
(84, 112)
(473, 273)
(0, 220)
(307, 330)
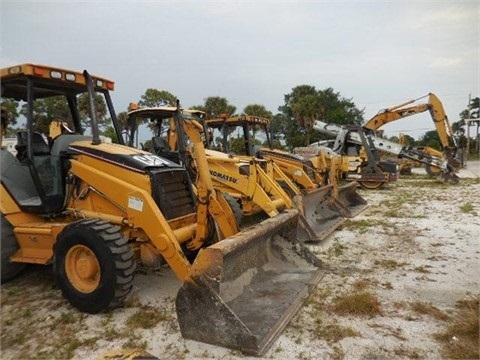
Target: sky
(376, 53)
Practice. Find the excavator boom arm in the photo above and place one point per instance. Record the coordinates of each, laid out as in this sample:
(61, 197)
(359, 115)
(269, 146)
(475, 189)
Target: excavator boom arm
(435, 108)
(392, 114)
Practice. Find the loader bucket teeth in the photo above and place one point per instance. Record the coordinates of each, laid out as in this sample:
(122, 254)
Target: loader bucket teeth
(320, 213)
(242, 291)
(350, 199)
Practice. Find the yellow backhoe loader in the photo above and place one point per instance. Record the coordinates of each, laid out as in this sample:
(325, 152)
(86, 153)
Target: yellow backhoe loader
(93, 209)
(243, 135)
(250, 185)
(442, 125)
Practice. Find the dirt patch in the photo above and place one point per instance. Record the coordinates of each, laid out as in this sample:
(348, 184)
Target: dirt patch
(393, 275)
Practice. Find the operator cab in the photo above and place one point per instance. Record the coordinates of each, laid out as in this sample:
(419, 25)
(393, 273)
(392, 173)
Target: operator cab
(35, 177)
(164, 121)
(242, 135)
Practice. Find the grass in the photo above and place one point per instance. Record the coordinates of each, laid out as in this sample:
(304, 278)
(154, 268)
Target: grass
(147, 317)
(135, 342)
(467, 208)
(423, 181)
(395, 332)
(428, 309)
(26, 304)
(460, 339)
(332, 332)
(404, 352)
(361, 284)
(53, 329)
(337, 248)
(399, 199)
(400, 205)
(324, 302)
(359, 303)
(362, 225)
(422, 269)
(389, 264)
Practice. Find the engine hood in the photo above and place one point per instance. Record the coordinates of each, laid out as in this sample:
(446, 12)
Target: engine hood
(124, 156)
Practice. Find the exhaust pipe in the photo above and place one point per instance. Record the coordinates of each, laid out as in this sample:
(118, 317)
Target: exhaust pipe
(93, 112)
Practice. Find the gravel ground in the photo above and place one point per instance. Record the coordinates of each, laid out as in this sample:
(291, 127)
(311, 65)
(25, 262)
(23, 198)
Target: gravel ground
(412, 253)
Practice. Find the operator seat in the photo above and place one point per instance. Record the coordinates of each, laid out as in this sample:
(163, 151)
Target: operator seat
(160, 145)
(161, 148)
(18, 180)
(39, 145)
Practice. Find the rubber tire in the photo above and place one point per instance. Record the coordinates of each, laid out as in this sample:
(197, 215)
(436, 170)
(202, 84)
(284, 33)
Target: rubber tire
(236, 208)
(10, 270)
(370, 185)
(114, 255)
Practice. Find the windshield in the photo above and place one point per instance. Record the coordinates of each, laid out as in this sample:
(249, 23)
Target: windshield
(240, 138)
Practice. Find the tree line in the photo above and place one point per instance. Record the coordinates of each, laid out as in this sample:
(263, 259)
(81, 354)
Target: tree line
(293, 121)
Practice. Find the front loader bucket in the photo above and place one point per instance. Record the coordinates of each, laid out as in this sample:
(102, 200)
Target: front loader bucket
(449, 178)
(320, 214)
(242, 291)
(350, 199)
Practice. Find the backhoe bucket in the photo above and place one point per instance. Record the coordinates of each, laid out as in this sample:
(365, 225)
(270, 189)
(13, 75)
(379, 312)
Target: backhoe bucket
(242, 291)
(320, 214)
(351, 200)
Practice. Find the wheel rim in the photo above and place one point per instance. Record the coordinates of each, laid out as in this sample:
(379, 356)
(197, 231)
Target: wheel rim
(371, 185)
(82, 268)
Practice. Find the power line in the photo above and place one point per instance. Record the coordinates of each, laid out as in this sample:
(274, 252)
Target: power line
(412, 130)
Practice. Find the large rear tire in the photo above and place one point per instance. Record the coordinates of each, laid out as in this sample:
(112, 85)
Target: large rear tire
(10, 270)
(93, 265)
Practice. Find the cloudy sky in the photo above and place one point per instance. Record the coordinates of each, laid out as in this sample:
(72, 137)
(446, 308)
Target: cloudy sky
(377, 53)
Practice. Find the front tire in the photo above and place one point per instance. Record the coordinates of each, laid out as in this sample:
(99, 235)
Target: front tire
(10, 270)
(235, 206)
(93, 265)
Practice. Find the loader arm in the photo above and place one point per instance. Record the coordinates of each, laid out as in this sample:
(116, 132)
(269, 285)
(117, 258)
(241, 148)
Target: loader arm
(255, 186)
(207, 196)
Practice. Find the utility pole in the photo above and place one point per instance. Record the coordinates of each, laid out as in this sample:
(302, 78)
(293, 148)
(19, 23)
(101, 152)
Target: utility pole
(467, 121)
